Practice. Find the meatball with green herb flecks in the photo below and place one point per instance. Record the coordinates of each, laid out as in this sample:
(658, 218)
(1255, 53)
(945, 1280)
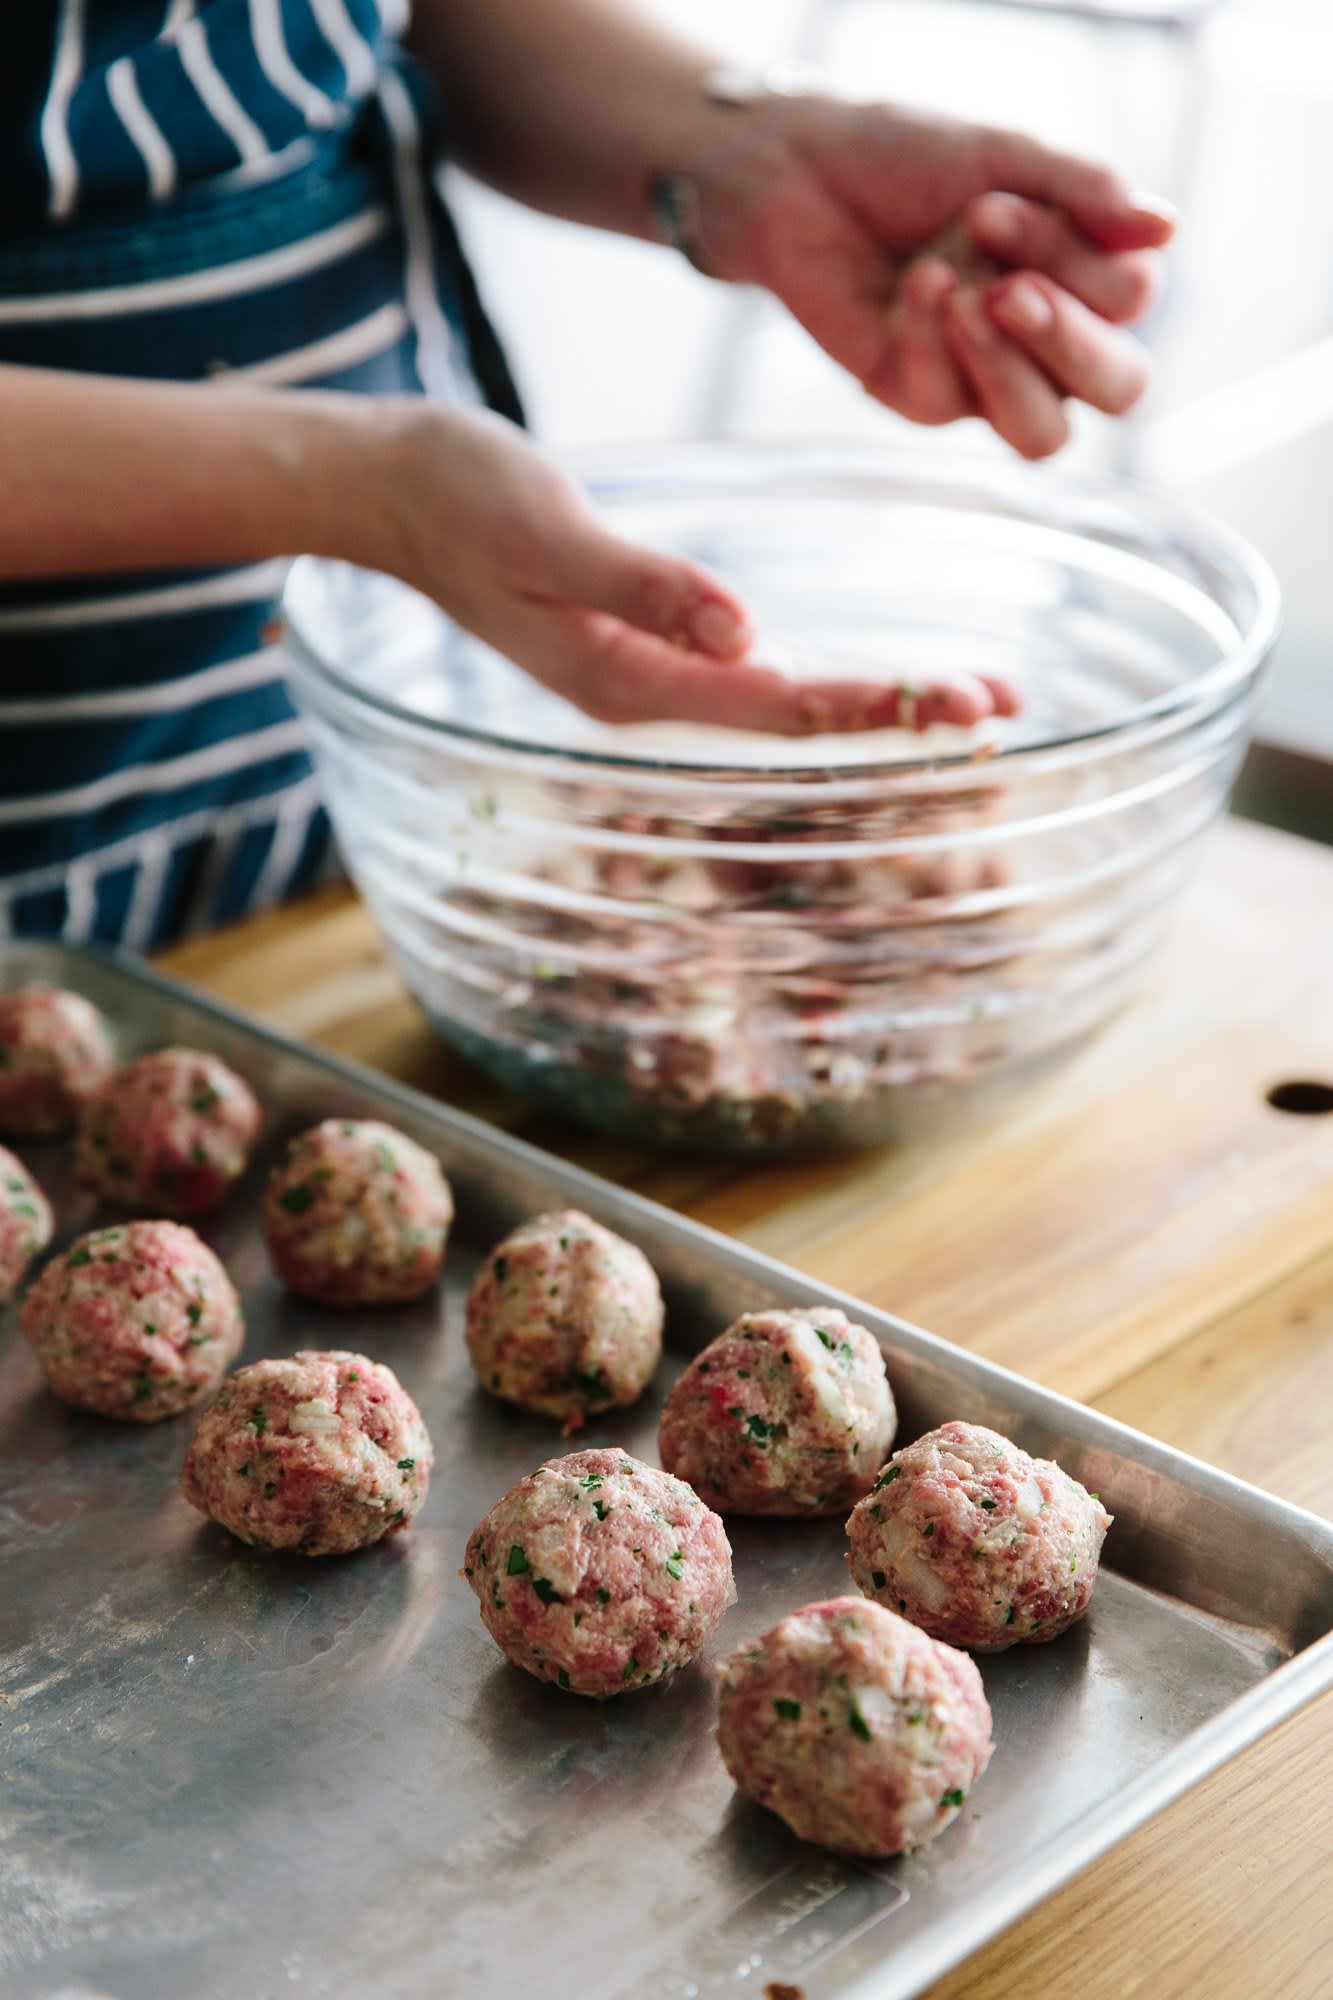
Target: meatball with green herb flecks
(977, 1543)
(139, 1321)
(26, 1222)
(357, 1214)
(858, 1730)
(600, 1574)
(565, 1319)
(172, 1131)
(320, 1454)
(784, 1413)
(55, 1052)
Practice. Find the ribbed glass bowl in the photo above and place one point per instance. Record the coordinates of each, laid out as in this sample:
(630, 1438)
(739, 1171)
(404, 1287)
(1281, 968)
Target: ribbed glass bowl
(720, 940)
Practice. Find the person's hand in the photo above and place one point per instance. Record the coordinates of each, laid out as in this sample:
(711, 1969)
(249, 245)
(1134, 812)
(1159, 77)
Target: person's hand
(953, 269)
(464, 508)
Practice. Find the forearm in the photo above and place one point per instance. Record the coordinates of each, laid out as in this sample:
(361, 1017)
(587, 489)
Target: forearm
(103, 474)
(573, 105)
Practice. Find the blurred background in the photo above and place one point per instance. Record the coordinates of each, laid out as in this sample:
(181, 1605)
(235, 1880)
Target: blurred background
(1225, 106)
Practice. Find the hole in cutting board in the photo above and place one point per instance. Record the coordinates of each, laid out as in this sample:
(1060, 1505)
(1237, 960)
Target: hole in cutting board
(1303, 1097)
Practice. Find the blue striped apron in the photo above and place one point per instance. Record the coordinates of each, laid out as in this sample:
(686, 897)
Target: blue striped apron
(241, 187)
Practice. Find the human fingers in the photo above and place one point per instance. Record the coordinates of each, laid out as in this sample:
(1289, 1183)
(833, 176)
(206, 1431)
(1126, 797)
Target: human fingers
(1093, 195)
(1078, 351)
(1120, 285)
(1006, 697)
(1012, 392)
(927, 386)
(654, 593)
(618, 673)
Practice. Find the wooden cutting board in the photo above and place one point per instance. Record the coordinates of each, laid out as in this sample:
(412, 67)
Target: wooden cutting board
(1147, 1232)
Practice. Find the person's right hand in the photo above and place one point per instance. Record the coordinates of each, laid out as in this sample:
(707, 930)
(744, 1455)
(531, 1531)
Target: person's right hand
(953, 269)
(463, 507)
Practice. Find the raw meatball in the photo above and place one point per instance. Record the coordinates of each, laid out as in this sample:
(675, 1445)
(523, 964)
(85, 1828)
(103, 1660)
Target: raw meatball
(357, 1214)
(26, 1222)
(976, 1542)
(323, 1454)
(565, 1318)
(784, 1413)
(600, 1573)
(140, 1321)
(55, 1051)
(172, 1130)
(854, 1727)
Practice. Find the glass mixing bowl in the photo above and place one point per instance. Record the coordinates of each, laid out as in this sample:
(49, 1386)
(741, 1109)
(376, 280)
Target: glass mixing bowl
(704, 937)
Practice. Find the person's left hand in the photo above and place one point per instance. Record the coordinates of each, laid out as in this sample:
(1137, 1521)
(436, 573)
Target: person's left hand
(954, 269)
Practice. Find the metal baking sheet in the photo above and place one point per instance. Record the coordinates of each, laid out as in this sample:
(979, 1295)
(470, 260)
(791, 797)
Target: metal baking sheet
(225, 1773)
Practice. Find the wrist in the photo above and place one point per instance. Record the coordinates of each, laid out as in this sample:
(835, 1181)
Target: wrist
(335, 458)
(411, 487)
(724, 163)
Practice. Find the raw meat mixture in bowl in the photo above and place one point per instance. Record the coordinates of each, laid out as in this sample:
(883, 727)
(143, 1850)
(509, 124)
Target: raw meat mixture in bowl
(727, 941)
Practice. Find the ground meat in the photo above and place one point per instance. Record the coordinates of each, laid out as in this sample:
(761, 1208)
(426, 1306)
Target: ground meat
(825, 974)
(139, 1322)
(26, 1222)
(55, 1051)
(565, 1318)
(323, 1454)
(600, 1573)
(357, 1214)
(976, 1542)
(172, 1131)
(709, 1058)
(784, 1413)
(854, 1727)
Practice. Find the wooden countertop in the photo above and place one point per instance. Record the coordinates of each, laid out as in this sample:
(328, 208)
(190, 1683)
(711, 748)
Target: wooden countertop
(1147, 1233)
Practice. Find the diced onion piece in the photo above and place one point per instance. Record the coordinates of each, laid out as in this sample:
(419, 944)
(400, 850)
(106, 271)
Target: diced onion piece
(156, 1310)
(918, 1575)
(557, 1556)
(315, 1418)
(878, 1709)
(708, 1017)
(897, 1536)
(828, 1393)
(917, 1813)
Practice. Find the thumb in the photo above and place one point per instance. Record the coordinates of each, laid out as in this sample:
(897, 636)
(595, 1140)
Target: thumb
(660, 594)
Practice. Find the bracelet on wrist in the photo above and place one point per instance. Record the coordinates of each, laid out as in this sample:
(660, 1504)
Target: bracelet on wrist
(673, 198)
